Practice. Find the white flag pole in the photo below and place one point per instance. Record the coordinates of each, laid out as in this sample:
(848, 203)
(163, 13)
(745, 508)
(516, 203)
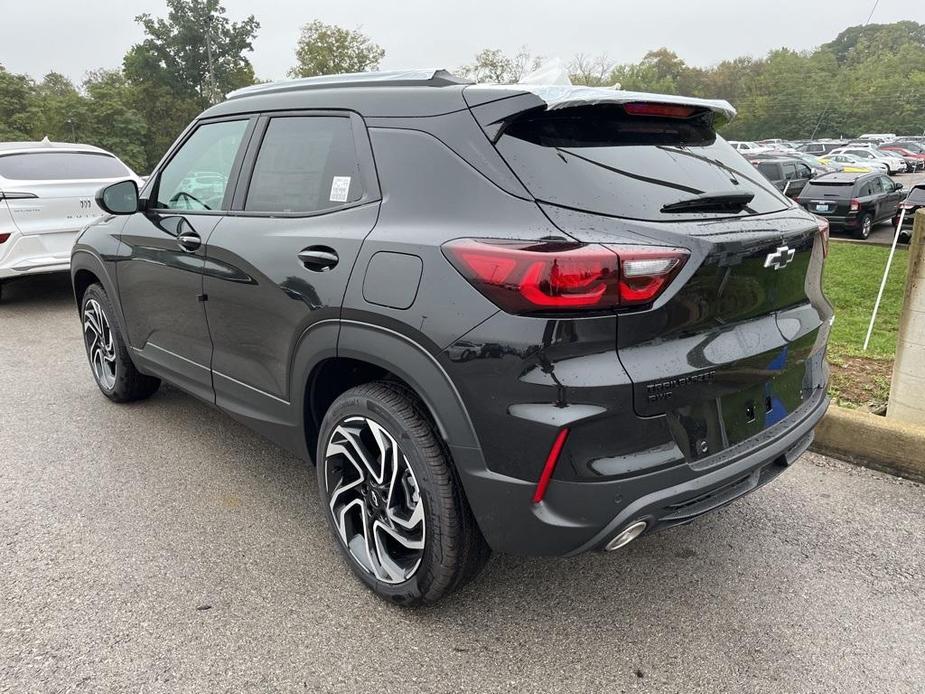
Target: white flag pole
(886, 272)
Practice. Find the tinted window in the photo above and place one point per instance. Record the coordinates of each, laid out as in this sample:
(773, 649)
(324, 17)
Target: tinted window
(305, 164)
(886, 184)
(803, 171)
(827, 189)
(50, 166)
(600, 159)
(917, 195)
(197, 175)
(790, 171)
(768, 169)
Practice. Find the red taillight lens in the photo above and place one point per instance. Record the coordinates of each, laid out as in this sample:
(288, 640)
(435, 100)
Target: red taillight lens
(661, 110)
(4, 237)
(824, 235)
(537, 277)
(855, 205)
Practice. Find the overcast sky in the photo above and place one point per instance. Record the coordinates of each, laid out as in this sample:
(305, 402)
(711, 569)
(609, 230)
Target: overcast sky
(73, 36)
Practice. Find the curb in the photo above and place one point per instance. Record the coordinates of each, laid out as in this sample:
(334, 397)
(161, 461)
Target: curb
(872, 441)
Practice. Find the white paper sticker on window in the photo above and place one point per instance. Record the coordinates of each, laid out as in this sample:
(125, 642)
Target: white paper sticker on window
(340, 187)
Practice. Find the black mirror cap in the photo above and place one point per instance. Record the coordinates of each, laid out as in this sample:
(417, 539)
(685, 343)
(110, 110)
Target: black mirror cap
(897, 186)
(118, 198)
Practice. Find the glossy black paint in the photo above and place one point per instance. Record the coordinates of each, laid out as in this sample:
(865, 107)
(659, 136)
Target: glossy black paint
(878, 197)
(673, 409)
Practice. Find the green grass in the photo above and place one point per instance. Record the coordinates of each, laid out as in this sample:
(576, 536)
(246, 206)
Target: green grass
(852, 278)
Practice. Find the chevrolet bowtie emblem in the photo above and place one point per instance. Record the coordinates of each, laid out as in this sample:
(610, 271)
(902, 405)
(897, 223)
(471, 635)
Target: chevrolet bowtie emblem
(780, 258)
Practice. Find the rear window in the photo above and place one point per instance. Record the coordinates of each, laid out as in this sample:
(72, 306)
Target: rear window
(917, 195)
(767, 169)
(50, 166)
(305, 164)
(827, 188)
(600, 159)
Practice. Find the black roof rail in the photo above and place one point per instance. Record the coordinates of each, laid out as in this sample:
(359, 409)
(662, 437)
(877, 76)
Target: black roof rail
(388, 78)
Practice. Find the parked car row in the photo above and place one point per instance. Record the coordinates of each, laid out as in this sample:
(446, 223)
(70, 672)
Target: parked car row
(846, 182)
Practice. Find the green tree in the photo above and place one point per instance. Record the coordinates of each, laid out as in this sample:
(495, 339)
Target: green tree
(15, 93)
(186, 62)
(112, 122)
(495, 66)
(57, 110)
(326, 49)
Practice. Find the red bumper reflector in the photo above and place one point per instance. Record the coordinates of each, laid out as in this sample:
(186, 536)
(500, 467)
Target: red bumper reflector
(550, 466)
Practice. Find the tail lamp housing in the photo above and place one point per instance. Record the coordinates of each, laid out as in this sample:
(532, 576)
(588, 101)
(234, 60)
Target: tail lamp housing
(528, 277)
(855, 205)
(4, 237)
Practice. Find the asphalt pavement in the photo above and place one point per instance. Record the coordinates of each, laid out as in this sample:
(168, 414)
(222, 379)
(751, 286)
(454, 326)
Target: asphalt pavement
(161, 547)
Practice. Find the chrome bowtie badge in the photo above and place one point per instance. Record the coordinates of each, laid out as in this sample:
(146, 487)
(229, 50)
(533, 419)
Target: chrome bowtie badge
(780, 258)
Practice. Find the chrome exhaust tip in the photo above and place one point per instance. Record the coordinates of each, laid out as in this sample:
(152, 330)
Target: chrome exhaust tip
(627, 535)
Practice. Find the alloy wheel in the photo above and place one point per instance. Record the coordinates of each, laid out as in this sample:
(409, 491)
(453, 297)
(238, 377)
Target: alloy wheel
(101, 347)
(374, 499)
(867, 224)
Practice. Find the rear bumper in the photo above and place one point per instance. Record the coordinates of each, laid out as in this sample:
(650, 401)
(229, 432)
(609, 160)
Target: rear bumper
(577, 517)
(31, 254)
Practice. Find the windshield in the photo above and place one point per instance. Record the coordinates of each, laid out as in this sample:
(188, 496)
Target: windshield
(601, 159)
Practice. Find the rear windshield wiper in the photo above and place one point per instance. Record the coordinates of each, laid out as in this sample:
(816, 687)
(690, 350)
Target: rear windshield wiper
(733, 201)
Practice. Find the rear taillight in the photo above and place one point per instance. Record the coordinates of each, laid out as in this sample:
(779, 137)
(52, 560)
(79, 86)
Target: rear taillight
(4, 237)
(824, 235)
(537, 277)
(855, 205)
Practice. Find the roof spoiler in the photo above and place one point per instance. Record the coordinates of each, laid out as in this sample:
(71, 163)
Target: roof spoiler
(494, 103)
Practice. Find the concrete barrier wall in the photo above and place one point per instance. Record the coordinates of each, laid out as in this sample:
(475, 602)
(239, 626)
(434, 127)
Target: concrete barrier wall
(907, 391)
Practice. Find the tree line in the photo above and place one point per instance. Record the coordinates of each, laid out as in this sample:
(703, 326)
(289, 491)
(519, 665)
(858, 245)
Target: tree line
(868, 79)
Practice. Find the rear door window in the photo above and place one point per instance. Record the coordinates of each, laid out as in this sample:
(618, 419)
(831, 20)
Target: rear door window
(305, 164)
(601, 159)
(54, 166)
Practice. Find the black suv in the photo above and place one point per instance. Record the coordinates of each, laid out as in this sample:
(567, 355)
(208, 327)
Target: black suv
(537, 320)
(852, 202)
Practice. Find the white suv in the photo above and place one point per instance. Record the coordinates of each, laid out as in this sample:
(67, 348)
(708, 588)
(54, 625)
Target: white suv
(46, 197)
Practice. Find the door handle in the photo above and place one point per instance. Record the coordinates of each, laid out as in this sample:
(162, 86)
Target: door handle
(318, 258)
(189, 241)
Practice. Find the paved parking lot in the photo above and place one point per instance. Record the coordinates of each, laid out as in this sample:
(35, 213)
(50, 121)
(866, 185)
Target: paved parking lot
(161, 547)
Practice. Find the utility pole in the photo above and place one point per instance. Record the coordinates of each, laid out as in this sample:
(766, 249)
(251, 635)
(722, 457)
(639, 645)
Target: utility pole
(212, 88)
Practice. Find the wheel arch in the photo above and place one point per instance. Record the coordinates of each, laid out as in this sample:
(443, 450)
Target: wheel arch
(366, 352)
(87, 269)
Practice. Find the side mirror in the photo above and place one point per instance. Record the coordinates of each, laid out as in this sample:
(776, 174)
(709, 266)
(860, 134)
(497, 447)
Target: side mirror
(118, 198)
(897, 186)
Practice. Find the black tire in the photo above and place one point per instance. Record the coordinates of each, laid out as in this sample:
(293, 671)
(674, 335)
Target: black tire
(126, 384)
(863, 231)
(454, 550)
